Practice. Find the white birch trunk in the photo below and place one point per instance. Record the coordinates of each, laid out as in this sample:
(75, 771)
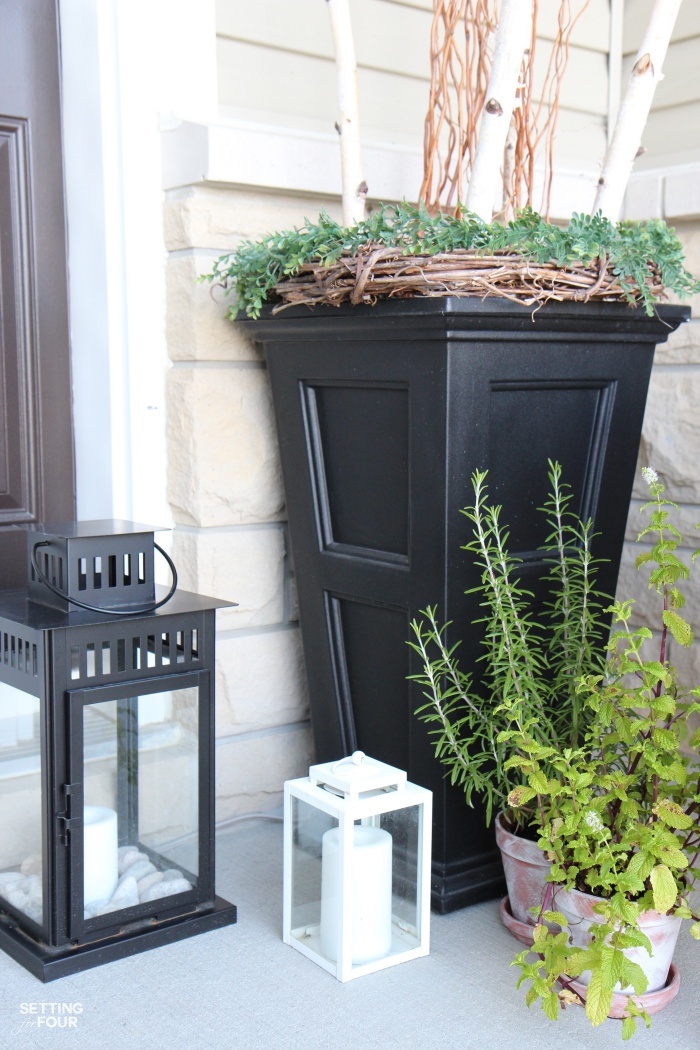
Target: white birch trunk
(634, 109)
(512, 40)
(348, 127)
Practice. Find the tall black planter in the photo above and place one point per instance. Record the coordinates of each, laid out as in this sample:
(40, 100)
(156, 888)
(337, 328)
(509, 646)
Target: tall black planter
(383, 413)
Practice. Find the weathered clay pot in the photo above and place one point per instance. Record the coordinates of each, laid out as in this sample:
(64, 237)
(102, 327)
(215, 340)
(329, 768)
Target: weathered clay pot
(526, 869)
(662, 931)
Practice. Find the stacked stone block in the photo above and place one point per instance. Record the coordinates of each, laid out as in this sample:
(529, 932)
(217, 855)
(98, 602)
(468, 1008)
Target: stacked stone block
(671, 445)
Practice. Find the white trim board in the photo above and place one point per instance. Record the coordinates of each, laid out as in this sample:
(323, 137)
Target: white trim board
(671, 192)
(242, 153)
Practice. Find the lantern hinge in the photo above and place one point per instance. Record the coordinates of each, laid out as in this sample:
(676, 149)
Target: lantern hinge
(67, 823)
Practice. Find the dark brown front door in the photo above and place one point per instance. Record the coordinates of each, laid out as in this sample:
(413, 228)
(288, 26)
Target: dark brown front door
(36, 433)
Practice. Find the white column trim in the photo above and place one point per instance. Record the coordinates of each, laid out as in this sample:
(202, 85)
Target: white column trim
(124, 64)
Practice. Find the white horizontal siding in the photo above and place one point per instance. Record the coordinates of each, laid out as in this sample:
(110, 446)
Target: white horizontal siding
(390, 37)
(672, 133)
(392, 106)
(681, 82)
(389, 34)
(637, 15)
(276, 64)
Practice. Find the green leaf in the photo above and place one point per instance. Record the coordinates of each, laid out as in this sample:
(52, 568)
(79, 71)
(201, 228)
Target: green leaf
(654, 671)
(538, 781)
(633, 937)
(679, 628)
(641, 865)
(630, 883)
(550, 1005)
(629, 1027)
(632, 973)
(664, 888)
(695, 931)
(675, 858)
(663, 705)
(598, 999)
(554, 916)
(664, 738)
(530, 995)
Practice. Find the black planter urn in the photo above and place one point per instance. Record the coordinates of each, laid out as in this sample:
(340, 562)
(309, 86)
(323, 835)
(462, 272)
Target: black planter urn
(383, 413)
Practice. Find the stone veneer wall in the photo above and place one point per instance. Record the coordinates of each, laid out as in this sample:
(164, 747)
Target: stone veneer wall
(226, 492)
(671, 445)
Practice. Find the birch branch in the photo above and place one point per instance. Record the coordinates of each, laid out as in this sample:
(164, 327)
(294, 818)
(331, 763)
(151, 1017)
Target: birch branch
(512, 40)
(354, 187)
(634, 110)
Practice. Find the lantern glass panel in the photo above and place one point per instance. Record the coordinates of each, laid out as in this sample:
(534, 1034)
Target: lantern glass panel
(383, 895)
(309, 826)
(20, 802)
(141, 795)
(405, 828)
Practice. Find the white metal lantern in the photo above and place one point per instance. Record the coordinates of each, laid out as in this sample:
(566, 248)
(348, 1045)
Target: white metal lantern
(357, 866)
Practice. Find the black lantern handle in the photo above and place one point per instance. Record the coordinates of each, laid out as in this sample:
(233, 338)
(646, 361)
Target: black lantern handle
(96, 608)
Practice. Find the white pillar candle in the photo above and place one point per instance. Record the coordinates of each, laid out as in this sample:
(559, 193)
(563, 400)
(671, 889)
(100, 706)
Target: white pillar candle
(369, 896)
(99, 853)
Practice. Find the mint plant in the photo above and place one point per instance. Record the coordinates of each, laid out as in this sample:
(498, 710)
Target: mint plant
(532, 661)
(617, 813)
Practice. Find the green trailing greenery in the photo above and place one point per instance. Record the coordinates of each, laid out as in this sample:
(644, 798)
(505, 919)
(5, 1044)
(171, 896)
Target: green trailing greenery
(256, 267)
(617, 815)
(533, 657)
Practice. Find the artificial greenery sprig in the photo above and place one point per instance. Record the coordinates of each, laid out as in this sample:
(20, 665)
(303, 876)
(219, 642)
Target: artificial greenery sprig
(532, 659)
(256, 267)
(619, 815)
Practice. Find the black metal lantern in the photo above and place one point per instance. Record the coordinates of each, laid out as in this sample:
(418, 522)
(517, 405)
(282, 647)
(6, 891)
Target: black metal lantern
(106, 754)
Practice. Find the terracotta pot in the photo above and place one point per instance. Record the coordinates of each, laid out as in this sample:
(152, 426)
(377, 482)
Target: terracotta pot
(662, 931)
(526, 869)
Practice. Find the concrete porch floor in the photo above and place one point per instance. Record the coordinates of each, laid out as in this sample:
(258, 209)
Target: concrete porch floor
(242, 988)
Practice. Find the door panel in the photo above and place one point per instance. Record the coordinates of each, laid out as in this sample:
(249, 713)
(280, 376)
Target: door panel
(36, 434)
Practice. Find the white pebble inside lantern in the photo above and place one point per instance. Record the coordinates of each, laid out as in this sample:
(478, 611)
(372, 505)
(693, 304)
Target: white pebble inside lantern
(357, 866)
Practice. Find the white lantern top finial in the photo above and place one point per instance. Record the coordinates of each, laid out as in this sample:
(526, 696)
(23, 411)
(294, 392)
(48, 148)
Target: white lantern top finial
(356, 775)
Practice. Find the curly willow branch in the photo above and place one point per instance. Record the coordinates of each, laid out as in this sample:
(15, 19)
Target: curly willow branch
(461, 43)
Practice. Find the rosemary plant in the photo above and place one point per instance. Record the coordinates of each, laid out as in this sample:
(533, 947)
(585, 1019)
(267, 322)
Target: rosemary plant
(533, 658)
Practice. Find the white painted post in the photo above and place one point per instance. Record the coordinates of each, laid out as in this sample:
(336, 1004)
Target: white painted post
(348, 127)
(634, 110)
(512, 40)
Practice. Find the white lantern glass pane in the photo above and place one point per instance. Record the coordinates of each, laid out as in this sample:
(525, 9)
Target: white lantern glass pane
(141, 794)
(405, 828)
(309, 825)
(20, 802)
